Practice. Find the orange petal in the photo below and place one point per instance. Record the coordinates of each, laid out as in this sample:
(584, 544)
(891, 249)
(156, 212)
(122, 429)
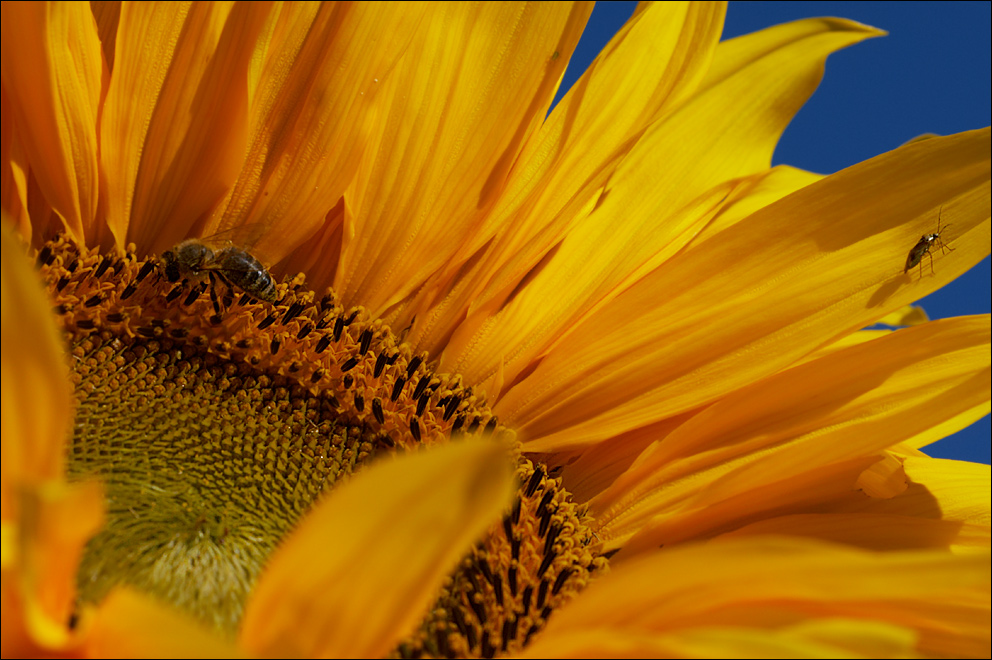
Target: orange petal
(957, 491)
(447, 138)
(13, 175)
(908, 315)
(672, 182)
(873, 531)
(41, 558)
(37, 401)
(128, 624)
(174, 127)
(361, 569)
(748, 588)
(762, 294)
(52, 78)
(314, 91)
(45, 522)
(830, 638)
(649, 68)
(599, 466)
(760, 449)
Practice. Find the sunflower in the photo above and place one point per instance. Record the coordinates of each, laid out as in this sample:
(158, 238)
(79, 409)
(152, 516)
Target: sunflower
(368, 354)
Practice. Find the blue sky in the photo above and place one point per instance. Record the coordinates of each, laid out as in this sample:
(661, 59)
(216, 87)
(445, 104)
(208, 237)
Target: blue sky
(931, 74)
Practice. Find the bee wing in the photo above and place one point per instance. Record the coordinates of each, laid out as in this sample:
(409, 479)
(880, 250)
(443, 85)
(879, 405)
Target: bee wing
(248, 237)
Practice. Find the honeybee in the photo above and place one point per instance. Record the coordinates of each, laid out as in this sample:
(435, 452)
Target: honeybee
(923, 246)
(197, 260)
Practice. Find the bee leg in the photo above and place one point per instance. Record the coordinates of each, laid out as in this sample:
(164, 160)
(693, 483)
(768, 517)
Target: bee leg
(228, 298)
(213, 293)
(176, 291)
(194, 293)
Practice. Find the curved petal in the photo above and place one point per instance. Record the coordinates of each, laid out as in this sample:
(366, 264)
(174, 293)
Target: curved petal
(649, 68)
(907, 316)
(174, 126)
(770, 586)
(41, 553)
(363, 566)
(13, 177)
(37, 402)
(52, 79)
(448, 137)
(761, 449)
(950, 426)
(875, 531)
(826, 638)
(932, 488)
(671, 183)
(600, 465)
(128, 624)
(315, 88)
(45, 521)
(762, 294)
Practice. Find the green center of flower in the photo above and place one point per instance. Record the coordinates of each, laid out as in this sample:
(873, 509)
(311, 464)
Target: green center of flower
(216, 421)
(207, 465)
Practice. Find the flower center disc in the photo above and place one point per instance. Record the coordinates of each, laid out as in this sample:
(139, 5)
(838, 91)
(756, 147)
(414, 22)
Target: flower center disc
(207, 465)
(216, 421)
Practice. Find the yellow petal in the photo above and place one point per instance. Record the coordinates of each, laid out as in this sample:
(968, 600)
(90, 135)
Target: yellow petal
(45, 522)
(128, 624)
(950, 426)
(174, 127)
(598, 466)
(649, 68)
(761, 448)
(876, 531)
(41, 557)
(957, 491)
(755, 193)
(774, 584)
(363, 566)
(315, 89)
(52, 68)
(828, 638)
(908, 315)
(756, 297)
(448, 137)
(37, 403)
(644, 217)
(853, 339)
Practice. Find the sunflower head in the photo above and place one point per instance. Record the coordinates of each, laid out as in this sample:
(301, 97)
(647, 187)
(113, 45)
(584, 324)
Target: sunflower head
(348, 344)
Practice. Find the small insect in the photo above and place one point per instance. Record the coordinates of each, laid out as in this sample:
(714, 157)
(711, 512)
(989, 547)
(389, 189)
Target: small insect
(923, 246)
(197, 260)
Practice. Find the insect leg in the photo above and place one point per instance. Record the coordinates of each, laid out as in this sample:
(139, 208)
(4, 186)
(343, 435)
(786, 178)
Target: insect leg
(213, 292)
(228, 299)
(195, 293)
(941, 243)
